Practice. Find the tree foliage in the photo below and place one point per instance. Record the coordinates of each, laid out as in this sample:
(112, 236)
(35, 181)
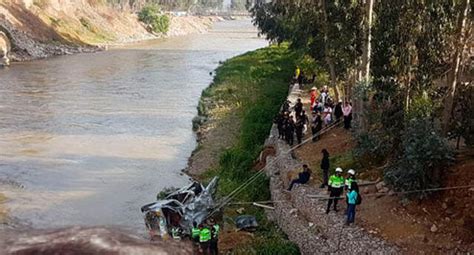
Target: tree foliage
(413, 48)
(150, 15)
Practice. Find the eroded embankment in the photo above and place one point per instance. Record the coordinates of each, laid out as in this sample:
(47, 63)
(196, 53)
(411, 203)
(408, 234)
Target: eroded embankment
(304, 219)
(40, 29)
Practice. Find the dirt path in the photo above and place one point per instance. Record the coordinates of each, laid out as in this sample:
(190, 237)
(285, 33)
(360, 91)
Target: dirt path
(304, 219)
(441, 225)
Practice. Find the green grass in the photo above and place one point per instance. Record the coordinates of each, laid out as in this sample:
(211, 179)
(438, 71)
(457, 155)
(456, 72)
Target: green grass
(253, 86)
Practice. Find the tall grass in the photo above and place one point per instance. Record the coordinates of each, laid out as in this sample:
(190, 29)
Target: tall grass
(253, 85)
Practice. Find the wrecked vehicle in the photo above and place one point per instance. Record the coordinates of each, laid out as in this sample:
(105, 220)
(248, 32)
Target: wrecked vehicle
(180, 209)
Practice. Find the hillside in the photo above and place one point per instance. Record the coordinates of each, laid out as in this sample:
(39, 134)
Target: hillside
(42, 28)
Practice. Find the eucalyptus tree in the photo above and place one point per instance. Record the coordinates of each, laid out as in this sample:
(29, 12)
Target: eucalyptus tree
(329, 31)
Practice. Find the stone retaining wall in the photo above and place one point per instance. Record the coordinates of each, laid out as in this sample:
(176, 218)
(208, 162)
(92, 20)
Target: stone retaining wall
(303, 219)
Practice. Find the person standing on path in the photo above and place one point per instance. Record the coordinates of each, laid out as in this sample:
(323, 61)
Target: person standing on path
(350, 178)
(204, 239)
(297, 73)
(213, 247)
(327, 114)
(303, 177)
(279, 122)
(352, 202)
(338, 110)
(347, 111)
(347, 185)
(290, 131)
(313, 95)
(316, 126)
(305, 119)
(299, 126)
(195, 233)
(298, 107)
(325, 167)
(336, 186)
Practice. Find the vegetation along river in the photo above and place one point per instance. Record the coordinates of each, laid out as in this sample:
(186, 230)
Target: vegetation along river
(88, 139)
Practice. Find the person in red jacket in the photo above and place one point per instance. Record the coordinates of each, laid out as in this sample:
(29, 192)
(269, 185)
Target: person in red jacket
(313, 95)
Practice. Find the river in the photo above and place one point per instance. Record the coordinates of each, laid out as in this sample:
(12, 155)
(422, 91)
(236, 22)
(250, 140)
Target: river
(88, 139)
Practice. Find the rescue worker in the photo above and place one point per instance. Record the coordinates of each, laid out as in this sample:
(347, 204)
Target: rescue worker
(215, 228)
(195, 233)
(336, 186)
(204, 239)
(350, 178)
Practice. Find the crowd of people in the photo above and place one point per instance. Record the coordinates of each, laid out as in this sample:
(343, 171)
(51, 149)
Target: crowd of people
(324, 113)
(293, 121)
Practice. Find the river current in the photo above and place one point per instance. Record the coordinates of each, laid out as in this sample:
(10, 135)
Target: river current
(88, 139)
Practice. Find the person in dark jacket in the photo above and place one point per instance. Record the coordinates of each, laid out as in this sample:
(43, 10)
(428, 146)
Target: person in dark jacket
(290, 131)
(286, 106)
(298, 107)
(299, 126)
(279, 122)
(325, 167)
(303, 177)
(338, 110)
(316, 125)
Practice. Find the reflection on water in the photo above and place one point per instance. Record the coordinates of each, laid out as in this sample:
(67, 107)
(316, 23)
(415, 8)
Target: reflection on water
(92, 137)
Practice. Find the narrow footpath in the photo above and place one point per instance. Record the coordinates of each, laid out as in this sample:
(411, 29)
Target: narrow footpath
(304, 219)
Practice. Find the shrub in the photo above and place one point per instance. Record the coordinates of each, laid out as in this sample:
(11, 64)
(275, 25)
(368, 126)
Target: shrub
(150, 15)
(425, 154)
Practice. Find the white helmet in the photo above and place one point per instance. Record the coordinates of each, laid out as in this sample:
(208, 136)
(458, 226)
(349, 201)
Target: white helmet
(339, 170)
(351, 172)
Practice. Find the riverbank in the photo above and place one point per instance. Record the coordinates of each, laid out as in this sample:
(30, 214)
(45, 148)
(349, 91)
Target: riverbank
(235, 116)
(41, 29)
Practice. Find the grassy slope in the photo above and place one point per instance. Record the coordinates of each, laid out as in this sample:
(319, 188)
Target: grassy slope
(251, 86)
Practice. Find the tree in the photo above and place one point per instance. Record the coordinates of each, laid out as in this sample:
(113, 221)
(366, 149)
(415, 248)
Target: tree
(462, 35)
(329, 31)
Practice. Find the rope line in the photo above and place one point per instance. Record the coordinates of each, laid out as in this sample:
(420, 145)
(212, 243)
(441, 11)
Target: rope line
(231, 195)
(401, 192)
(367, 195)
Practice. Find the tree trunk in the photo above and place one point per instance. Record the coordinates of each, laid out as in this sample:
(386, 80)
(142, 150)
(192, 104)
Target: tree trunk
(454, 73)
(327, 51)
(332, 75)
(369, 6)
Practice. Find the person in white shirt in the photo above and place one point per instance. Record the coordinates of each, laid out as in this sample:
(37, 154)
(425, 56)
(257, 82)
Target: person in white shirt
(327, 114)
(347, 112)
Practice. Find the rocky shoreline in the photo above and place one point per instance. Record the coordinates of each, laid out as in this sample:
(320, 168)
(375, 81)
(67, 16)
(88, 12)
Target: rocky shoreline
(303, 219)
(24, 46)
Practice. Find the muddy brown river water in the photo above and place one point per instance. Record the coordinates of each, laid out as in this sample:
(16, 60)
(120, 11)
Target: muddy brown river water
(88, 139)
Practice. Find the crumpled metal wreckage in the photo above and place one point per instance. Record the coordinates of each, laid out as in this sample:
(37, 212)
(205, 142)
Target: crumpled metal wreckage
(192, 203)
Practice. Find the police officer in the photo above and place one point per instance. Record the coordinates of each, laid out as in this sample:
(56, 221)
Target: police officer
(350, 178)
(336, 186)
(195, 233)
(204, 239)
(215, 228)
